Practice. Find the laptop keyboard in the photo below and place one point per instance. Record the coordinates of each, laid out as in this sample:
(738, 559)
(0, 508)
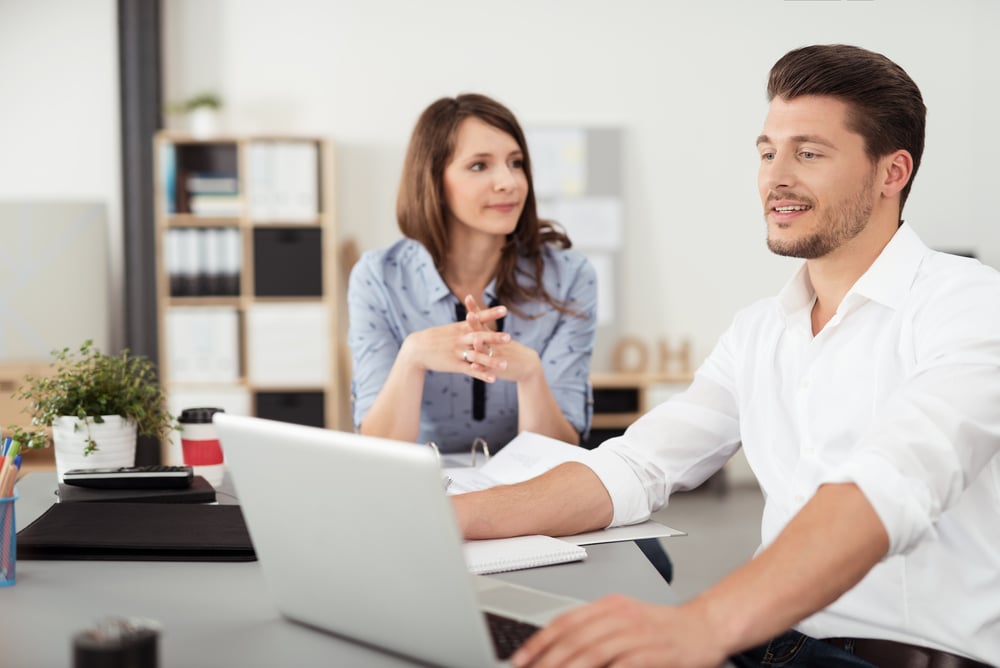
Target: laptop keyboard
(507, 634)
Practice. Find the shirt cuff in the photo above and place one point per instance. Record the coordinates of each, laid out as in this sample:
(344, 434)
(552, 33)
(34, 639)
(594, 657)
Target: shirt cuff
(902, 504)
(626, 490)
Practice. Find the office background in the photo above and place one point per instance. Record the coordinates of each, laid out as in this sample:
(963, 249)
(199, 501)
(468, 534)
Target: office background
(683, 80)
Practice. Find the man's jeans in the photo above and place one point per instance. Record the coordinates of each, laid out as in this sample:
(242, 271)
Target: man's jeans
(794, 650)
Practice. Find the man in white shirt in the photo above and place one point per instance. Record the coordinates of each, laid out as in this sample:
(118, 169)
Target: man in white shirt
(866, 396)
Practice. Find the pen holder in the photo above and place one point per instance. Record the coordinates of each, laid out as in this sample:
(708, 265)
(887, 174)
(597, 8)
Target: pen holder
(8, 542)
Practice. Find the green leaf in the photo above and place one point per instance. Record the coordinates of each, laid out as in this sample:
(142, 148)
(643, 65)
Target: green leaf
(89, 384)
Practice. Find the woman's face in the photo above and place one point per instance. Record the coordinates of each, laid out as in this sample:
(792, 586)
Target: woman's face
(484, 183)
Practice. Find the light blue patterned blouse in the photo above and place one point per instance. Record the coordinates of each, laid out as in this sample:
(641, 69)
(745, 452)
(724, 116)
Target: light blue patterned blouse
(397, 290)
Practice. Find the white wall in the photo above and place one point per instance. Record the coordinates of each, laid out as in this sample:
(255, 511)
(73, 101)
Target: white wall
(59, 118)
(684, 79)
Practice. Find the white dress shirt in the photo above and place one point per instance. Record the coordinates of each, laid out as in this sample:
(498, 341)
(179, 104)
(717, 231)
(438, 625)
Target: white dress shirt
(900, 394)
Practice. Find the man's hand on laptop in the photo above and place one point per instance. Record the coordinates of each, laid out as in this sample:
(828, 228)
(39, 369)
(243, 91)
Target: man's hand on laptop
(617, 628)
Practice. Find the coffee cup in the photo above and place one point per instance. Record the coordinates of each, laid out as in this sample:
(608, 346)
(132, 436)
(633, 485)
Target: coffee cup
(200, 447)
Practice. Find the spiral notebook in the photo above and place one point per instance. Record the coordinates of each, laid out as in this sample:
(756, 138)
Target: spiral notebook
(511, 554)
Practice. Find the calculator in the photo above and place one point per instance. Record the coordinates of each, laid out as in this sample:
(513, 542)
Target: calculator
(131, 477)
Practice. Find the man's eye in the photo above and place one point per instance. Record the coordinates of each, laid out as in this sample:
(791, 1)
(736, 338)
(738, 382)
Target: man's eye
(808, 155)
(767, 156)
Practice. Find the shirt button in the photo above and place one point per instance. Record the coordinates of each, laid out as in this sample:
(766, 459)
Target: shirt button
(799, 499)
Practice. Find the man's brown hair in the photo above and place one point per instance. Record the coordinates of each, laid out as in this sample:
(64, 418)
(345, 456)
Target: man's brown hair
(885, 105)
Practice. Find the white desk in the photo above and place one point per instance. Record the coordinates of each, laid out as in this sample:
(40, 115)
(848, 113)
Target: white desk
(218, 614)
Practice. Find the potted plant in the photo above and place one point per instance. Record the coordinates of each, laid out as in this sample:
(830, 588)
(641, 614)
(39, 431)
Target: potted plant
(201, 111)
(95, 404)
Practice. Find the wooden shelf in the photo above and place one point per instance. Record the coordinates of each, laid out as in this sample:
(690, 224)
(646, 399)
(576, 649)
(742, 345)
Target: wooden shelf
(613, 379)
(191, 220)
(311, 258)
(622, 398)
(613, 420)
(203, 301)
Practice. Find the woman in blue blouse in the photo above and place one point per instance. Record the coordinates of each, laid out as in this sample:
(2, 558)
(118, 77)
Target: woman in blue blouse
(480, 322)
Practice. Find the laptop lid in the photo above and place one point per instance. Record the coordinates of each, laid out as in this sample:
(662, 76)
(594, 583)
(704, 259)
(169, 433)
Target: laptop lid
(355, 535)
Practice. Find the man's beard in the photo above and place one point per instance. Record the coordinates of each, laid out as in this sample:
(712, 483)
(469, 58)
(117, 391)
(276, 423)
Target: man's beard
(837, 226)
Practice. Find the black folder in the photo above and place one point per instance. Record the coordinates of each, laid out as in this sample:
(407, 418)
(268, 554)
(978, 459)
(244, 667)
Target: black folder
(123, 531)
(199, 491)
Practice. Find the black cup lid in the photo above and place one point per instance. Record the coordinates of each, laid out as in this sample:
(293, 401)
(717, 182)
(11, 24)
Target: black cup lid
(198, 415)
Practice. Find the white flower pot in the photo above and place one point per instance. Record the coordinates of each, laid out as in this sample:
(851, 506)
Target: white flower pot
(115, 439)
(203, 122)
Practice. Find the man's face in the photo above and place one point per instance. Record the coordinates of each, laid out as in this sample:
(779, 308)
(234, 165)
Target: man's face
(816, 182)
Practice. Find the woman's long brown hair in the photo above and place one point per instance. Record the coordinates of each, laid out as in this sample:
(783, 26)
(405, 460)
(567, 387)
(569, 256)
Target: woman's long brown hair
(421, 209)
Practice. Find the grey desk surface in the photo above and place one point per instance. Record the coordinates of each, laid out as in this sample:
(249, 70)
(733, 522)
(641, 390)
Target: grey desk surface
(218, 614)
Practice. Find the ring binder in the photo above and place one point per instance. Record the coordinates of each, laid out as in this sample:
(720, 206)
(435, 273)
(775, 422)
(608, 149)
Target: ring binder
(478, 444)
(486, 449)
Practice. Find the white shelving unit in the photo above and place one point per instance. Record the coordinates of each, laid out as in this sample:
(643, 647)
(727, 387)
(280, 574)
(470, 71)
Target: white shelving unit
(247, 279)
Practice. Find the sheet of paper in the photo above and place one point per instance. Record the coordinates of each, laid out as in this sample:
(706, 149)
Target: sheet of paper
(648, 529)
(529, 455)
(467, 479)
(526, 456)
(453, 460)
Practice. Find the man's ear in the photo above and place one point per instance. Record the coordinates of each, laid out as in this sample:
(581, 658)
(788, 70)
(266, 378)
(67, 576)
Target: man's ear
(897, 168)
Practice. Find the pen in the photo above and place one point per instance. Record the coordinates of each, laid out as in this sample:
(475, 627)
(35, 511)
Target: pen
(8, 472)
(7, 479)
(13, 476)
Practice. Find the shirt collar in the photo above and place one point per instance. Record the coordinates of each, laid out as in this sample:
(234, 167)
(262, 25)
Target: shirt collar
(798, 292)
(889, 278)
(886, 281)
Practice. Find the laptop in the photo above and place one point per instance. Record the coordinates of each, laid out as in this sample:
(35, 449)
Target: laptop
(356, 536)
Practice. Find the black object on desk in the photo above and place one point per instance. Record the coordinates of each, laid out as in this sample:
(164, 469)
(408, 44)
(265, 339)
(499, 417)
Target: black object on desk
(199, 491)
(117, 643)
(123, 531)
(131, 477)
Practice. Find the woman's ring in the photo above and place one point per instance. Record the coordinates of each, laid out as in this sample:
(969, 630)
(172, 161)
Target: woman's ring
(465, 356)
